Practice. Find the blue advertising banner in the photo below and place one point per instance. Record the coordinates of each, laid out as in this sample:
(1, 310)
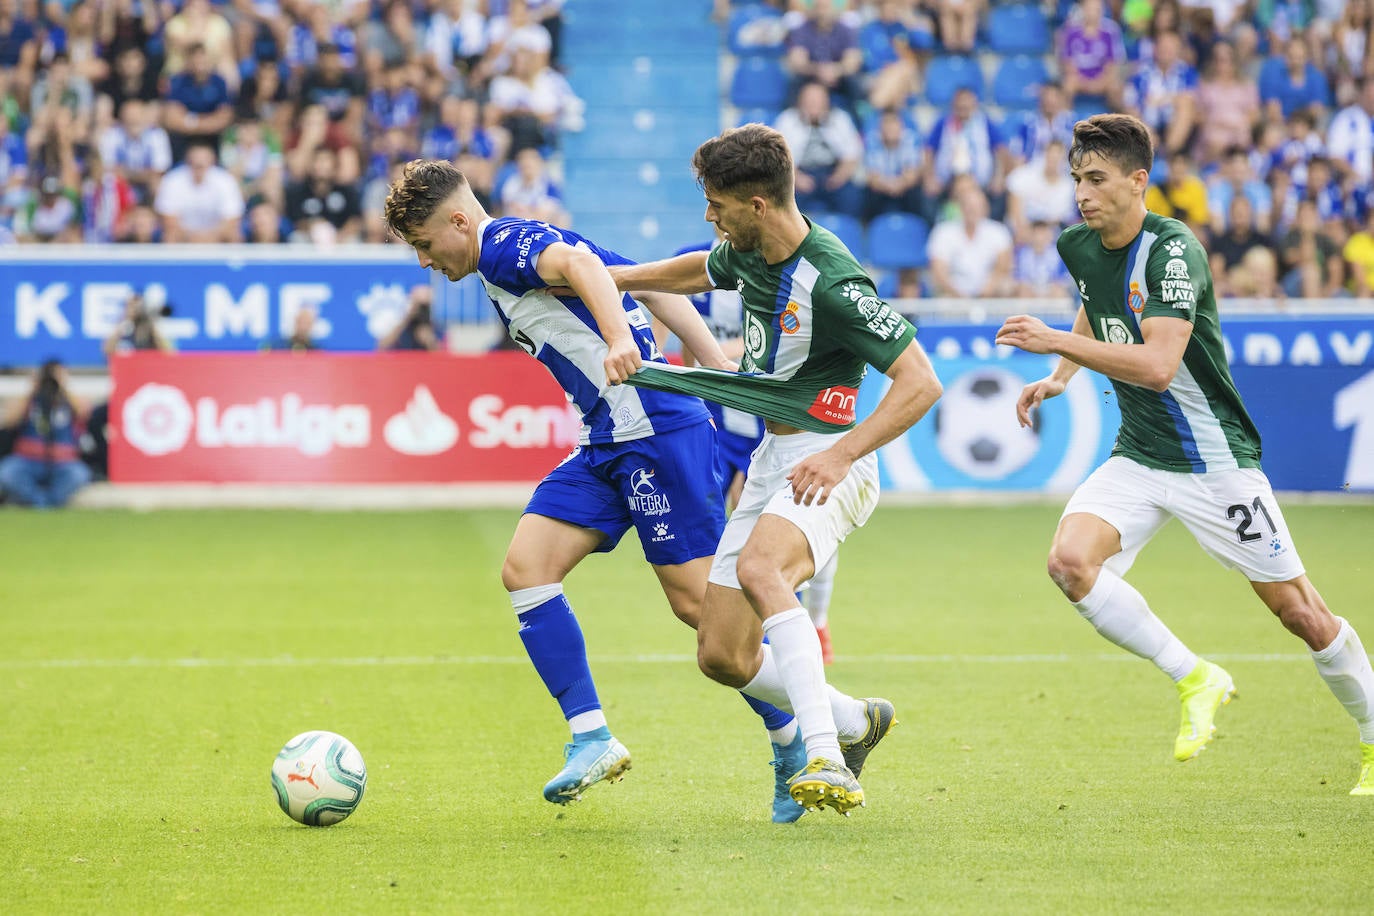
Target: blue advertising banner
(1308, 382)
(65, 303)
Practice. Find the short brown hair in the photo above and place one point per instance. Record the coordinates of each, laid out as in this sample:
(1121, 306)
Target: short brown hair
(1121, 138)
(422, 187)
(746, 161)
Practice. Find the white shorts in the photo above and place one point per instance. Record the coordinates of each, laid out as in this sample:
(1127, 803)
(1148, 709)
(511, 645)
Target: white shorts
(1233, 515)
(767, 490)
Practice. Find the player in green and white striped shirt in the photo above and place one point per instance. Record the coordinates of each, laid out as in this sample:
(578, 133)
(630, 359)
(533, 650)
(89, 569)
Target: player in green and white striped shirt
(1187, 449)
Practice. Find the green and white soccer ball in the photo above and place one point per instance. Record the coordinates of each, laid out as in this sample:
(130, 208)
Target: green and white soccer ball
(319, 778)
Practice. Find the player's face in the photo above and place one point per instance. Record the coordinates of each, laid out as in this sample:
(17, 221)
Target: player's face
(735, 218)
(1106, 194)
(444, 243)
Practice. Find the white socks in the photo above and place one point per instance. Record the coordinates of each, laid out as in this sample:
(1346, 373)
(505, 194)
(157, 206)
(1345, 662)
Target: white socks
(847, 714)
(1120, 614)
(816, 596)
(1345, 668)
(797, 653)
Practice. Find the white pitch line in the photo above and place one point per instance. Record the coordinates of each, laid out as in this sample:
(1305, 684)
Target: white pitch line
(401, 661)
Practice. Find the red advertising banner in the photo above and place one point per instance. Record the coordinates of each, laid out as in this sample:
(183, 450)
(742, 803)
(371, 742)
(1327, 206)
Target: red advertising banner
(335, 418)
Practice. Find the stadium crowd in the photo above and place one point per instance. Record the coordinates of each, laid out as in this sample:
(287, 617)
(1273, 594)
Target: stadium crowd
(271, 121)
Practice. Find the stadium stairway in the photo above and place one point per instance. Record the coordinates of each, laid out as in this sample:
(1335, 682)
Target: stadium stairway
(649, 74)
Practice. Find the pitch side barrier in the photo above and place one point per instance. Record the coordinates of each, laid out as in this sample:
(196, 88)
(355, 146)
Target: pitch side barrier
(1306, 368)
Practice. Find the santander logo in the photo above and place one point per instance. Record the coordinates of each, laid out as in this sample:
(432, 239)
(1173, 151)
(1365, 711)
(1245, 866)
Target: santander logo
(422, 428)
(158, 420)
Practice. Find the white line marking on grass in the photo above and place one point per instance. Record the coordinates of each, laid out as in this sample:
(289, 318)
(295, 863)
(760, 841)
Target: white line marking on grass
(402, 661)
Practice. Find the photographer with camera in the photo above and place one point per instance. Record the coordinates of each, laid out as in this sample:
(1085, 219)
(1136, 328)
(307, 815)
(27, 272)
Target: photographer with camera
(138, 329)
(415, 331)
(45, 468)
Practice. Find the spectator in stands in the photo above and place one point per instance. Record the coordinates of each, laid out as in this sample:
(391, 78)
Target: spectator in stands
(516, 30)
(265, 224)
(1359, 257)
(533, 102)
(1257, 275)
(252, 154)
(53, 216)
(1162, 93)
(340, 91)
(307, 39)
(549, 14)
(315, 131)
(1323, 187)
(391, 40)
(824, 49)
(59, 86)
(1091, 54)
(374, 205)
(199, 26)
(1037, 269)
(1031, 133)
(394, 102)
(1283, 20)
(460, 138)
(1228, 105)
(14, 158)
(199, 201)
(1181, 195)
(1236, 178)
(456, 38)
(1350, 39)
(965, 142)
(263, 95)
(1232, 242)
(18, 50)
(1350, 137)
(531, 193)
(892, 43)
(137, 149)
(320, 207)
(1293, 83)
(131, 78)
(125, 24)
(893, 169)
(45, 469)
(971, 256)
(1311, 261)
(1041, 191)
(105, 199)
(826, 151)
(302, 337)
(415, 329)
(199, 105)
(959, 24)
(141, 227)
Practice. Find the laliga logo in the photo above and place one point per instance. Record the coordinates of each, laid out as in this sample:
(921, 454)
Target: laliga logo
(157, 420)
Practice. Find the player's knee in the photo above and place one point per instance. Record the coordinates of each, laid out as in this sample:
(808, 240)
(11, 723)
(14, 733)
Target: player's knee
(719, 664)
(516, 575)
(1070, 569)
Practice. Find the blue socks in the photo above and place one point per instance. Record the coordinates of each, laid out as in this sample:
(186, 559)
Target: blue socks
(555, 645)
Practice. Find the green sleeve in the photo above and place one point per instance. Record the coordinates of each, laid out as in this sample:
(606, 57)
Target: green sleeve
(1178, 276)
(720, 267)
(862, 323)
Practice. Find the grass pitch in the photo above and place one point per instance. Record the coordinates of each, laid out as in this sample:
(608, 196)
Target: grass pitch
(151, 665)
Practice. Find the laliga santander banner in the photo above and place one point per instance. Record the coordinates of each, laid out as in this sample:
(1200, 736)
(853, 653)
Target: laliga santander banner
(335, 418)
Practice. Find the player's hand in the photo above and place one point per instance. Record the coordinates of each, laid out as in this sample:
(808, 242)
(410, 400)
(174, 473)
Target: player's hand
(1033, 394)
(816, 476)
(1028, 333)
(622, 359)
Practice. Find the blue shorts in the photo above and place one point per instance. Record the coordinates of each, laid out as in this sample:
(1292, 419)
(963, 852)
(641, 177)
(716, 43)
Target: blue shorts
(738, 434)
(666, 485)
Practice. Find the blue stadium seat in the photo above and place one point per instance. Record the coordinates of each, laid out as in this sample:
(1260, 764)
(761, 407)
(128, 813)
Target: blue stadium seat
(755, 29)
(847, 229)
(1018, 29)
(759, 82)
(897, 241)
(757, 116)
(949, 73)
(1017, 82)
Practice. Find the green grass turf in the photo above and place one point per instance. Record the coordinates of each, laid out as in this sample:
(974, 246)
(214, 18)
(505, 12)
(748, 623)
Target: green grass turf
(152, 664)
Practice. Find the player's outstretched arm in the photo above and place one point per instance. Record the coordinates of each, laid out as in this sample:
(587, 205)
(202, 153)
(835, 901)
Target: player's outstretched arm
(681, 317)
(1052, 385)
(914, 390)
(561, 264)
(1150, 364)
(685, 274)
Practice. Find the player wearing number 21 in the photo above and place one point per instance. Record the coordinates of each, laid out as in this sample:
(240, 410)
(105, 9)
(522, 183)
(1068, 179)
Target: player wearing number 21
(1186, 449)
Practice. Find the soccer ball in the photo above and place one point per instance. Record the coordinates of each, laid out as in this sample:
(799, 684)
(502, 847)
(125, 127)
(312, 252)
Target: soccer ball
(976, 429)
(319, 778)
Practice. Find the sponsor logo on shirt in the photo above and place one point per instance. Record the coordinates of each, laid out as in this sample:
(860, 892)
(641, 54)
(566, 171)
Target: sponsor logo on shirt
(1083, 290)
(645, 497)
(1174, 247)
(662, 534)
(1176, 269)
(500, 237)
(834, 405)
(1114, 330)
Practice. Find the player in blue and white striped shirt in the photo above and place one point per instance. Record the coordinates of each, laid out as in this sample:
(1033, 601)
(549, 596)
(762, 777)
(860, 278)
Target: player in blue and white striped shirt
(646, 458)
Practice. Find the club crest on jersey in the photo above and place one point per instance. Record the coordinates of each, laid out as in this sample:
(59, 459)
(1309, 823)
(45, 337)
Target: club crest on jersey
(1136, 300)
(789, 320)
(645, 497)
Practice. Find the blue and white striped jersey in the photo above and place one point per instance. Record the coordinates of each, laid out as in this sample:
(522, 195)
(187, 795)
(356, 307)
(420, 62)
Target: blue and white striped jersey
(561, 333)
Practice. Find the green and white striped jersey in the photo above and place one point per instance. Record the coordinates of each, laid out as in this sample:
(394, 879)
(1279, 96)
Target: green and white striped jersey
(1199, 424)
